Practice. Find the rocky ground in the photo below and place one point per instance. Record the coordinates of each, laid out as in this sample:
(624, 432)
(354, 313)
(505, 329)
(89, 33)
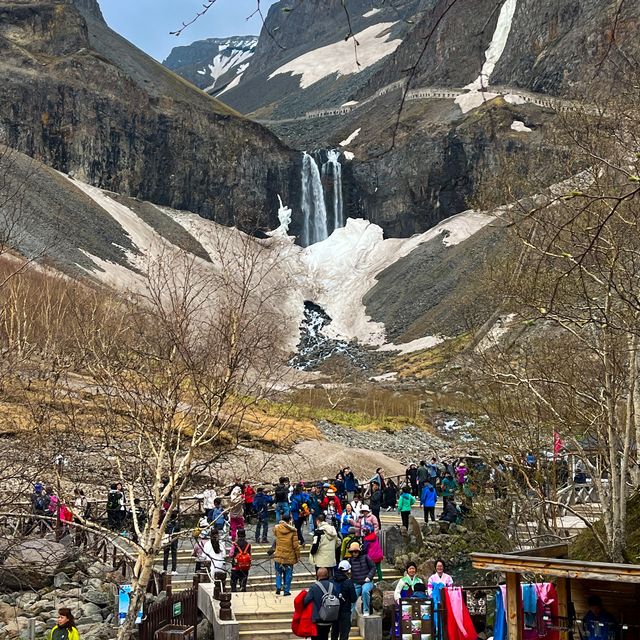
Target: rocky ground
(58, 576)
(407, 445)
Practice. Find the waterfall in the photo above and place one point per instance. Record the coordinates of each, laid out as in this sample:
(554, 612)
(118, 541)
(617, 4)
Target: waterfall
(314, 228)
(333, 161)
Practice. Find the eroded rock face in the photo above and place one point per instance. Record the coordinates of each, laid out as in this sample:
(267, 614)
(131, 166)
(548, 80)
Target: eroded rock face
(82, 99)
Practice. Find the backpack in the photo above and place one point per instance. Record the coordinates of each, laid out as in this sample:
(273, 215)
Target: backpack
(40, 503)
(281, 493)
(330, 608)
(243, 559)
(113, 501)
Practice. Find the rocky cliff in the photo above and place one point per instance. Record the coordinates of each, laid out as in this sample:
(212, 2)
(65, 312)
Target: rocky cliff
(85, 101)
(320, 36)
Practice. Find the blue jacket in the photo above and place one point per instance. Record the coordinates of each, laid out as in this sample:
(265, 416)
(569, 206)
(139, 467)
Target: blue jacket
(350, 482)
(261, 504)
(297, 500)
(429, 496)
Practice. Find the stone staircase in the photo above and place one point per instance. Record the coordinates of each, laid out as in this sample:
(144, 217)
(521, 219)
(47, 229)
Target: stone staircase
(264, 615)
(261, 614)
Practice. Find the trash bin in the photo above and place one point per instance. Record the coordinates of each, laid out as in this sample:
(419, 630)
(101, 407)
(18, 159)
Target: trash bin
(176, 632)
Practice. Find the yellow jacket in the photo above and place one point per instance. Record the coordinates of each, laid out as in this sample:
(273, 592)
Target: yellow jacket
(58, 634)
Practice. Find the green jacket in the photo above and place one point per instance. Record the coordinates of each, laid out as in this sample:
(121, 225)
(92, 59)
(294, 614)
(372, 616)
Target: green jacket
(449, 487)
(405, 502)
(64, 634)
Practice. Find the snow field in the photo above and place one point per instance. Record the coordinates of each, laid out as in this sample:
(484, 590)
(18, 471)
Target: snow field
(335, 273)
(342, 57)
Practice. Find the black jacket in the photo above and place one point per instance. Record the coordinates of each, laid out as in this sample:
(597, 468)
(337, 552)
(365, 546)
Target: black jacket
(375, 500)
(347, 590)
(362, 568)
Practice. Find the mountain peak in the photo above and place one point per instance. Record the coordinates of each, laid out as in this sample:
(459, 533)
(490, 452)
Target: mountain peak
(89, 8)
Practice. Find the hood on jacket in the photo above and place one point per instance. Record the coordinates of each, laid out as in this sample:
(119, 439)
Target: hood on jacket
(284, 527)
(329, 530)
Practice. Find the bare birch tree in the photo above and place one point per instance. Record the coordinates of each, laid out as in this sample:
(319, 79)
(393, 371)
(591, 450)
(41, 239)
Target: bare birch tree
(576, 298)
(176, 367)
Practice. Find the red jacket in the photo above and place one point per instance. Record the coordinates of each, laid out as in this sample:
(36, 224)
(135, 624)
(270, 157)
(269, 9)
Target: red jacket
(302, 623)
(248, 494)
(336, 501)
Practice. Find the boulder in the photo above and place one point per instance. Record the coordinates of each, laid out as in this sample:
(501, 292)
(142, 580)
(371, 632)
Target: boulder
(91, 609)
(396, 540)
(97, 597)
(33, 564)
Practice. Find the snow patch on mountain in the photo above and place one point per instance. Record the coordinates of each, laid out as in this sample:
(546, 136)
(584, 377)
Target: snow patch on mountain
(349, 139)
(231, 54)
(342, 57)
(344, 267)
(371, 13)
(497, 46)
(518, 125)
(477, 89)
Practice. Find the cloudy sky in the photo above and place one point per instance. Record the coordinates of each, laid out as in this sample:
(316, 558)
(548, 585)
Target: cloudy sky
(147, 23)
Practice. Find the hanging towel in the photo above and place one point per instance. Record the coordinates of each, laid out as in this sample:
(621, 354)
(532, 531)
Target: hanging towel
(438, 606)
(500, 624)
(530, 605)
(459, 623)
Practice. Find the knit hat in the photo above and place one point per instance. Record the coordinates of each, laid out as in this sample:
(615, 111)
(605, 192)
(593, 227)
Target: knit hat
(354, 546)
(364, 507)
(345, 566)
(37, 487)
(331, 493)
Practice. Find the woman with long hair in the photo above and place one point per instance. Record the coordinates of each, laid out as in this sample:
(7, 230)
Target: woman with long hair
(66, 627)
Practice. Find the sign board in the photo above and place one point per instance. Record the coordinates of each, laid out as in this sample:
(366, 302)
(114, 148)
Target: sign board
(177, 609)
(123, 604)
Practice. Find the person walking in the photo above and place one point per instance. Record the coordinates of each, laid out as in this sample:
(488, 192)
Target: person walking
(66, 627)
(281, 498)
(405, 502)
(428, 499)
(423, 474)
(299, 509)
(390, 495)
(261, 504)
(350, 483)
(411, 476)
(240, 561)
(208, 497)
(317, 597)
(341, 628)
(248, 495)
(171, 541)
(323, 548)
(362, 571)
(366, 522)
(375, 501)
(214, 552)
(114, 499)
(236, 511)
(286, 554)
(313, 503)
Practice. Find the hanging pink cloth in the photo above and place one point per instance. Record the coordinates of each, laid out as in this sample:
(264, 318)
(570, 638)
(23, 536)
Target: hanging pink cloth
(459, 623)
(547, 606)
